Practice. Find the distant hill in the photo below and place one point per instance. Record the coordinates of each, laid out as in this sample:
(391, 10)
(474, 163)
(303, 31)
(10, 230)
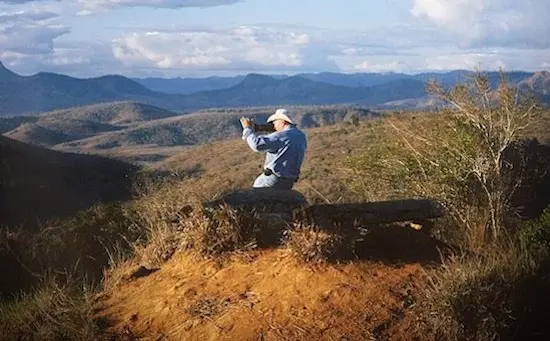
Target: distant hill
(30, 95)
(203, 127)
(47, 91)
(538, 83)
(260, 90)
(419, 103)
(190, 85)
(38, 184)
(77, 123)
(35, 134)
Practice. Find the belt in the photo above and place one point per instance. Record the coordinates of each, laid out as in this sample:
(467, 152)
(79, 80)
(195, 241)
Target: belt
(269, 172)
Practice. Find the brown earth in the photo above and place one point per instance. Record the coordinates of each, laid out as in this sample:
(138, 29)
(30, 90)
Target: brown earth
(266, 295)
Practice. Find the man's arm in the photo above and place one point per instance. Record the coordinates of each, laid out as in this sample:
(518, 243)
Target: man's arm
(267, 143)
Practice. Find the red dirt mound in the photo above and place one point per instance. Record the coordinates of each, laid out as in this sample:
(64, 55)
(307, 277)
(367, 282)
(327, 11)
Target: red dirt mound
(265, 295)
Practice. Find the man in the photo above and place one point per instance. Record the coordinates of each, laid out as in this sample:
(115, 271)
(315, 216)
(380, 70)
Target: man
(285, 150)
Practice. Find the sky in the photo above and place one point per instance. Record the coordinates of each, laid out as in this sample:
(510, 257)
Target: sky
(201, 38)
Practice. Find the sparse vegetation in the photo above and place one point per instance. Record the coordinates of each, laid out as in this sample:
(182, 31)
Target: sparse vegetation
(492, 287)
(460, 158)
(217, 230)
(79, 247)
(312, 245)
(457, 158)
(50, 312)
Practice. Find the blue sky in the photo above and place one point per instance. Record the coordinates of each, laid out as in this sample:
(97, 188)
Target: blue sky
(198, 38)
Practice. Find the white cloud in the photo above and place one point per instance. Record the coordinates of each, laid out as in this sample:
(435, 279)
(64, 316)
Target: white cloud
(521, 24)
(506, 59)
(237, 47)
(449, 12)
(466, 61)
(26, 16)
(15, 2)
(90, 6)
(28, 32)
(393, 66)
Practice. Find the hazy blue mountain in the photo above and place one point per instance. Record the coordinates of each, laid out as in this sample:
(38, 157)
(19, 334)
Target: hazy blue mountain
(47, 91)
(188, 85)
(27, 95)
(259, 90)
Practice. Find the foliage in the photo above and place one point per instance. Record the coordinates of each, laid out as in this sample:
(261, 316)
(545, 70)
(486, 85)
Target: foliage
(535, 235)
(455, 157)
(51, 312)
(498, 296)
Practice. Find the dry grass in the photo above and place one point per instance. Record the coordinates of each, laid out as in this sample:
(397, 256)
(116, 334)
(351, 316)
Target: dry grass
(312, 245)
(206, 308)
(228, 165)
(215, 231)
(80, 247)
(486, 298)
(51, 312)
(171, 217)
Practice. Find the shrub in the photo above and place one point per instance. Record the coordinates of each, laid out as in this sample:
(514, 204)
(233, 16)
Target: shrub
(535, 235)
(501, 296)
(213, 231)
(455, 156)
(310, 244)
(51, 312)
(81, 246)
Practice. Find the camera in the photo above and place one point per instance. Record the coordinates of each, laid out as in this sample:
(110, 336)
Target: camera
(268, 127)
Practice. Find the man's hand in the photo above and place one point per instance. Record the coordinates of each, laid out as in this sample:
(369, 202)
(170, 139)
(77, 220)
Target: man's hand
(246, 122)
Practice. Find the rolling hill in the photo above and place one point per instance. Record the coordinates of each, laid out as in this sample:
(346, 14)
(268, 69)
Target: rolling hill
(539, 84)
(203, 127)
(10, 123)
(121, 113)
(38, 184)
(82, 122)
(143, 134)
(35, 134)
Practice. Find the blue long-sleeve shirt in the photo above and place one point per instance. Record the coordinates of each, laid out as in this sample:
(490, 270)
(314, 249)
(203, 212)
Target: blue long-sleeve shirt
(285, 150)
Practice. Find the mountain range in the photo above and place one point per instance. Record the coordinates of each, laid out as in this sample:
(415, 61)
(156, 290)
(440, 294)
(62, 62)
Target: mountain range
(189, 85)
(43, 92)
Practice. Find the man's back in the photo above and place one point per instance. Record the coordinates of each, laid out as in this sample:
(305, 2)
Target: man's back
(286, 160)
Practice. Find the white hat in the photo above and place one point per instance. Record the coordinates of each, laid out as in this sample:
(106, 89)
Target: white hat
(280, 114)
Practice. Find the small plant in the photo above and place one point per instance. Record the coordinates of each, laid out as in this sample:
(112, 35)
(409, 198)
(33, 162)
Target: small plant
(213, 231)
(312, 245)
